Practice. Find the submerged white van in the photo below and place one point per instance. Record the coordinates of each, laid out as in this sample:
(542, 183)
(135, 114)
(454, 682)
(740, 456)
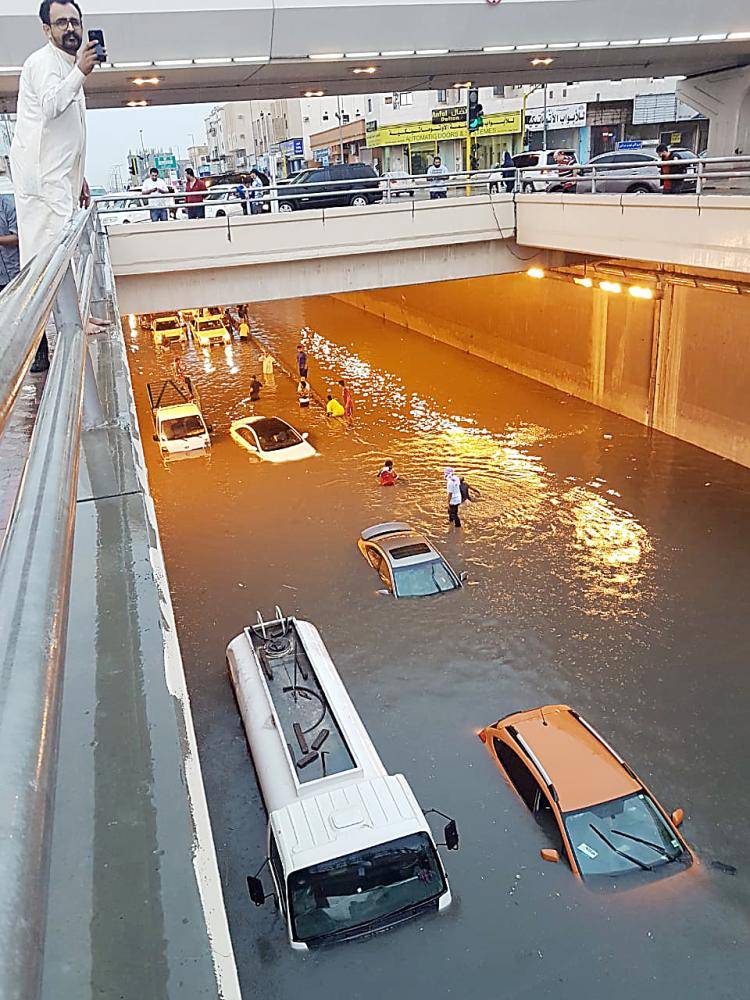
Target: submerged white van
(349, 849)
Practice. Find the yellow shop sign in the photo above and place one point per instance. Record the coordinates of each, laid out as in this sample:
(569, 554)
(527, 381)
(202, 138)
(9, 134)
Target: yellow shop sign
(505, 123)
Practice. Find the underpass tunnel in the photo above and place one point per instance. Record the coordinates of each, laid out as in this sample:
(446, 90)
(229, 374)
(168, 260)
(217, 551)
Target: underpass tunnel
(603, 563)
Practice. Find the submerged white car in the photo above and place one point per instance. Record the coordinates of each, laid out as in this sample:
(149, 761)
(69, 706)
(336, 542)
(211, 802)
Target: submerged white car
(271, 439)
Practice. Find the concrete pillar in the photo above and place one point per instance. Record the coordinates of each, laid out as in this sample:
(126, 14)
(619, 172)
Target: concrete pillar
(724, 97)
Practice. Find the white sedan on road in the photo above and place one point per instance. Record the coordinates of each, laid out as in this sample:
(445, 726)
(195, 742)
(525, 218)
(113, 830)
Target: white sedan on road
(271, 439)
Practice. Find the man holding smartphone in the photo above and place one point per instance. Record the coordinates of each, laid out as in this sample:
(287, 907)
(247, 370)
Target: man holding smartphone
(48, 153)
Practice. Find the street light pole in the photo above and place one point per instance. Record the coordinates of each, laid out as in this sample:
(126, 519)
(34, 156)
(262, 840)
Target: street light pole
(341, 128)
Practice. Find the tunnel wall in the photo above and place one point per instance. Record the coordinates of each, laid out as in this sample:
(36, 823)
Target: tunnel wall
(680, 366)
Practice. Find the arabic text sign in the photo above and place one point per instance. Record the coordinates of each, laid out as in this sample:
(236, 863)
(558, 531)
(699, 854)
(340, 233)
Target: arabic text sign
(397, 135)
(560, 116)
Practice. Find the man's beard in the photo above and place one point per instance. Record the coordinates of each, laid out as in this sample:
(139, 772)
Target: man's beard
(71, 42)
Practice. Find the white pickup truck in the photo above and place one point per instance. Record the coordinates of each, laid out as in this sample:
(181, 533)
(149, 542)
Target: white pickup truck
(349, 849)
(178, 420)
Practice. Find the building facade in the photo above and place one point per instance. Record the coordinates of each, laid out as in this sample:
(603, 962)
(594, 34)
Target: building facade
(405, 131)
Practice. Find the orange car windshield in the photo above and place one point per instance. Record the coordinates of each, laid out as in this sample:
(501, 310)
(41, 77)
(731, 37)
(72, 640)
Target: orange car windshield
(625, 835)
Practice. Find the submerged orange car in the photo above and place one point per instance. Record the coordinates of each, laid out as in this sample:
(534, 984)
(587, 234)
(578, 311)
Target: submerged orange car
(591, 804)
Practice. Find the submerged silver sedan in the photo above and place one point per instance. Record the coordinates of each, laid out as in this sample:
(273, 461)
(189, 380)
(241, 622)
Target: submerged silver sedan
(407, 562)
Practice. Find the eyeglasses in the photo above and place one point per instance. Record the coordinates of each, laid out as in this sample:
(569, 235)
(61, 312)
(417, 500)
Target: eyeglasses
(65, 22)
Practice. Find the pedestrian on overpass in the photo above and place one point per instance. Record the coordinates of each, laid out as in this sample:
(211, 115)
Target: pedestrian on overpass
(9, 259)
(194, 186)
(155, 186)
(670, 183)
(436, 174)
(256, 193)
(48, 153)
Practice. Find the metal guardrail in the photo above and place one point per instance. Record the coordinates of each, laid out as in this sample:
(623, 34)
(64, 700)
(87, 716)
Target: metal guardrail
(695, 173)
(35, 564)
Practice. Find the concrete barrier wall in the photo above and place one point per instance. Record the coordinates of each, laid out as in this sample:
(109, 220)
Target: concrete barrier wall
(680, 366)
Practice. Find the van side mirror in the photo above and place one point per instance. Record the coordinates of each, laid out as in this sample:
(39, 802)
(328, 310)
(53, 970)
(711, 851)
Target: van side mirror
(463, 577)
(549, 854)
(678, 816)
(305, 435)
(450, 832)
(256, 890)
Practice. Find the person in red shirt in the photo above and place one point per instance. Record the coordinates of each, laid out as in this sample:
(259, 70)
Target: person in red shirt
(348, 400)
(387, 476)
(194, 186)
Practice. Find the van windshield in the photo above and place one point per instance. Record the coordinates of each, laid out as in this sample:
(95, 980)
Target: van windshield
(365, 890)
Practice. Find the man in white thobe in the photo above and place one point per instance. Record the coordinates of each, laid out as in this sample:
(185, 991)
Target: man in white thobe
(48, 153)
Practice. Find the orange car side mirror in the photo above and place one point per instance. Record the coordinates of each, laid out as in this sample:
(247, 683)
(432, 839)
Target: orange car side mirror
(549, 854)
(677, 817)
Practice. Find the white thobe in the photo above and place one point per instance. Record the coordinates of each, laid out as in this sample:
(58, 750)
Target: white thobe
(48, 153)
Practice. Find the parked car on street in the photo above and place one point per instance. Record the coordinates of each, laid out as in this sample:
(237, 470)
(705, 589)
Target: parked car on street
(271, 439)
(135, 210)
(626, 172)
(400, 183)
(590, 804)
(407, 562)
(326, 192)
(539, 171)
(219, 204)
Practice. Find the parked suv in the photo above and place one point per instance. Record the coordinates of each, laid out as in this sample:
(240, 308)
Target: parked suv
(327, 193)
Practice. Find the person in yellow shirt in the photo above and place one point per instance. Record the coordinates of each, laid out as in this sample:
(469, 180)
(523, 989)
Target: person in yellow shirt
(333, 407)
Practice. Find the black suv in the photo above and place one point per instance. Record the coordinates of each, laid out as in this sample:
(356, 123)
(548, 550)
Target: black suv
(329, 190)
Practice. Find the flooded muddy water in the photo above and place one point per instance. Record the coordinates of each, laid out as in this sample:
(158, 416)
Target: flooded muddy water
(607, 569)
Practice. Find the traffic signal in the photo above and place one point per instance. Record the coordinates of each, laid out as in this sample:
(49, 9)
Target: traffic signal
(474, 111)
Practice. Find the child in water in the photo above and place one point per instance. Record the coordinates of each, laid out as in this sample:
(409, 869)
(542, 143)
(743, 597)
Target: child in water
(387, 475)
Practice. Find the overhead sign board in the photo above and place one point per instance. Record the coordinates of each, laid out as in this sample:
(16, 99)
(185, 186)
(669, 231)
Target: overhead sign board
(165, 161)
(442, 115)
(505, 123)
(558, 116)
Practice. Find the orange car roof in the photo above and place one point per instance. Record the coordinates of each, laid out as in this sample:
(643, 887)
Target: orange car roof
(582, 769)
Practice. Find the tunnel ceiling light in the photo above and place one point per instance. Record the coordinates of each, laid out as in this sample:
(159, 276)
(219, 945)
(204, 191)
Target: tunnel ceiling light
(365, 69)
(314, 93)
(654, 41)
(640, 292)
(738, 36)
(623, 43)
(147, 81)
(432, 52)
(499, 48)
(536, 47)
(564, 45)
(613, 287)
(362, 55)
(251, 59)
(172, 63)
(399, 52)
(682, 39)
(535, 272)
(593, 45)
(542, 62)
(584, 282)
(326, 56)
(713, 38)
(213, 61)
(462, 86)
(137, 104)
(132, 65)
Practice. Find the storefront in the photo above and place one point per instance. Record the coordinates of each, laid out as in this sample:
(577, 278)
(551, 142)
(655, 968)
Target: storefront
(290, 155)
(336, 144)
(663, 118)
(565, 123)
(410, 147)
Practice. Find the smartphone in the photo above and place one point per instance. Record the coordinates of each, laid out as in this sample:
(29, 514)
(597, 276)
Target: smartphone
(97, 35)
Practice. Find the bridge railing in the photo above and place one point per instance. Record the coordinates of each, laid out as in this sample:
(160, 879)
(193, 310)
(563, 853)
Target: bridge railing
(689, 174)
(35, 565)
